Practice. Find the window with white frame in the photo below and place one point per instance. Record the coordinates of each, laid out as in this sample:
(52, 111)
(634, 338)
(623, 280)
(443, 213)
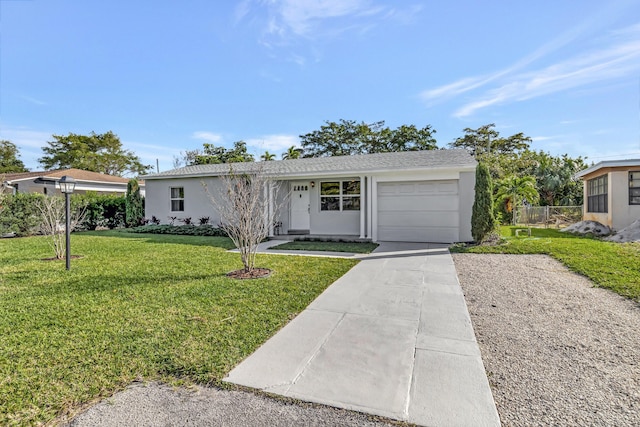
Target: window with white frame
(177, 199)
(597, 194)
(340, 195)
(634, 188)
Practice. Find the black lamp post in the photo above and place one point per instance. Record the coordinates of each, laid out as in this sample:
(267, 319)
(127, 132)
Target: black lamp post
(67, 185)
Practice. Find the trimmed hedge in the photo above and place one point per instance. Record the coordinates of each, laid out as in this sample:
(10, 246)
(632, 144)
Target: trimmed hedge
(186, 230)
(101, 210)
(20, 214)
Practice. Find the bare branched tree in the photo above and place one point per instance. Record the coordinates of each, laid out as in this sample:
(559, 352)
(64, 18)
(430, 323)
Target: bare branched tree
(248, 206)
(52, 211)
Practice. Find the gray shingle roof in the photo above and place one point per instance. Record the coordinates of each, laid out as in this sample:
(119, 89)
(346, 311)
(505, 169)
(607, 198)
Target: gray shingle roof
(408, 160)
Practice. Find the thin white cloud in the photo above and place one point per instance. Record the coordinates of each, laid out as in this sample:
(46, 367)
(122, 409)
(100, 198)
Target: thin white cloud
(273, 143)
(618, 58)
(545, 138)
(25, 138)
(207, 136)
(301, 17)
(467, 84)
(32, 100)
(287, 22)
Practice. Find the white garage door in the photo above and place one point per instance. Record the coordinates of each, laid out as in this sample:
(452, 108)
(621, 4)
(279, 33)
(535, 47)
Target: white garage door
(418, 211)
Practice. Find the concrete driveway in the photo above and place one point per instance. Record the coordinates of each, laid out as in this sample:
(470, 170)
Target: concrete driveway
(392, 337)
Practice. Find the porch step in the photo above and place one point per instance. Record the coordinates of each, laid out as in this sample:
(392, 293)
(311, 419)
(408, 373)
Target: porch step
(297, 232)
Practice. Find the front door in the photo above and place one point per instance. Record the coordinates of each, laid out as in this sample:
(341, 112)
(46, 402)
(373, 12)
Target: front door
(300, 207)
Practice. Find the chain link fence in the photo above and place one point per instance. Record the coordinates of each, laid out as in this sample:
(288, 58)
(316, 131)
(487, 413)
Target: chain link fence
(549, 216)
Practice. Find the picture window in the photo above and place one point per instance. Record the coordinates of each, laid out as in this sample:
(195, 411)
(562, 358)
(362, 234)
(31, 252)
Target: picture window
(340, 196)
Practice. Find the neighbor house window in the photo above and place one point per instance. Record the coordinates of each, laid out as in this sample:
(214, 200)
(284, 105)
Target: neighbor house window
(634, 188)
(177, 199)
(340, 196)
(597, 194)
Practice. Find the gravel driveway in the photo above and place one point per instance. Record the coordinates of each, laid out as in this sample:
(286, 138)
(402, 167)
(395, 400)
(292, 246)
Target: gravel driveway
(556, 350)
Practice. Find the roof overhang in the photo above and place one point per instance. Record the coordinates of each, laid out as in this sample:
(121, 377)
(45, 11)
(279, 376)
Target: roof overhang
(329, 174)
(608, 164)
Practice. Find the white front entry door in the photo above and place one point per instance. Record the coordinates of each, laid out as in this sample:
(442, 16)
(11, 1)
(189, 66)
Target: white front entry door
(300, 208)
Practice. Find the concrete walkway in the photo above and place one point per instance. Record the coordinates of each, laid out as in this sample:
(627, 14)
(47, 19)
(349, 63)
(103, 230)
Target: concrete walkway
(392, 337)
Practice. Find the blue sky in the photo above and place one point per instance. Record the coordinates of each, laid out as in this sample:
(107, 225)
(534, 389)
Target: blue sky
(168, 76)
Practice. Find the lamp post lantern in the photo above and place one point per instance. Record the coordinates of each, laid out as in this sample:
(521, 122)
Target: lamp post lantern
(67, 185)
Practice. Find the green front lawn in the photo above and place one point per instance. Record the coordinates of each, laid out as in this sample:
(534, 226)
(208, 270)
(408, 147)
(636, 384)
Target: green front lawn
(310, 245)
(615, 266)
(135, 307)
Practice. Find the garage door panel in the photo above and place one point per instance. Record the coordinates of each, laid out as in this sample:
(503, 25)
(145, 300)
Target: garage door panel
(418, 211)
(402, 204)
(413, 234)
(422, 219)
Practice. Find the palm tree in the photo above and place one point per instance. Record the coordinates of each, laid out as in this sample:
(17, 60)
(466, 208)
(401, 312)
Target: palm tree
(513, 189)
(267, 156)
(292, 153)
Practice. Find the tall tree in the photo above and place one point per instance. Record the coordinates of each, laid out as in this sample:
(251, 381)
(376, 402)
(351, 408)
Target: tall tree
(347, 137)
(292, 152)
(486, 140)
(482, 219)
(211, 154)
(101, 153)
(9, 158)
(134, 205)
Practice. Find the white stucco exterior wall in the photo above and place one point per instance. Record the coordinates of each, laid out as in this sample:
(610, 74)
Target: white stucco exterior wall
(623, 214)
(196, 202)
(620, 213)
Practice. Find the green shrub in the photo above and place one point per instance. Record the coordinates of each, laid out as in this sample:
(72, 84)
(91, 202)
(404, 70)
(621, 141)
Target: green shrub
(187, 230)
(20, 214)
(114, 211)
(482, 219)
(102, 210)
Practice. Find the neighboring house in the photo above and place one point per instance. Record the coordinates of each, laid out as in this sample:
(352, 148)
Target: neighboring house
(415, 196)
(46, 182)
(612, 192)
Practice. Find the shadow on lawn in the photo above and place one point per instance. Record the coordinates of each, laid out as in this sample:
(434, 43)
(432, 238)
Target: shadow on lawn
(510, 231)
(212, 241)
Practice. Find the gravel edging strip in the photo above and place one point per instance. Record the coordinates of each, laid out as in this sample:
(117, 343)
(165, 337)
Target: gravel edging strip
(157, 404)
(557, 351)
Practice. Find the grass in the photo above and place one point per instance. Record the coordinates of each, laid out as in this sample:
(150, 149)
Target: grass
(303, 245)
(610, 265)
(135, 307)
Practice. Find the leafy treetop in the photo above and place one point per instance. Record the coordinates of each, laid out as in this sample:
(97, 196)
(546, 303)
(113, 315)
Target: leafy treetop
(102, 153)
(347, 137)
(211, 154)
(267, 157)
(9, 158)
(292, 152)
(487, 140)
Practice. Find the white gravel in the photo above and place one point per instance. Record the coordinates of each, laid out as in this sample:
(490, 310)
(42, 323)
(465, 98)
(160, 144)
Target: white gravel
(557, 351)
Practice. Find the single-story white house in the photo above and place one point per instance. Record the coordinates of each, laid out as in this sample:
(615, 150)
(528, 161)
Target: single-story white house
(414, 196)
(46, 182)
(612, 192)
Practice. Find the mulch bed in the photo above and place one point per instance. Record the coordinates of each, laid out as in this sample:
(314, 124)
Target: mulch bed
(256, 273)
